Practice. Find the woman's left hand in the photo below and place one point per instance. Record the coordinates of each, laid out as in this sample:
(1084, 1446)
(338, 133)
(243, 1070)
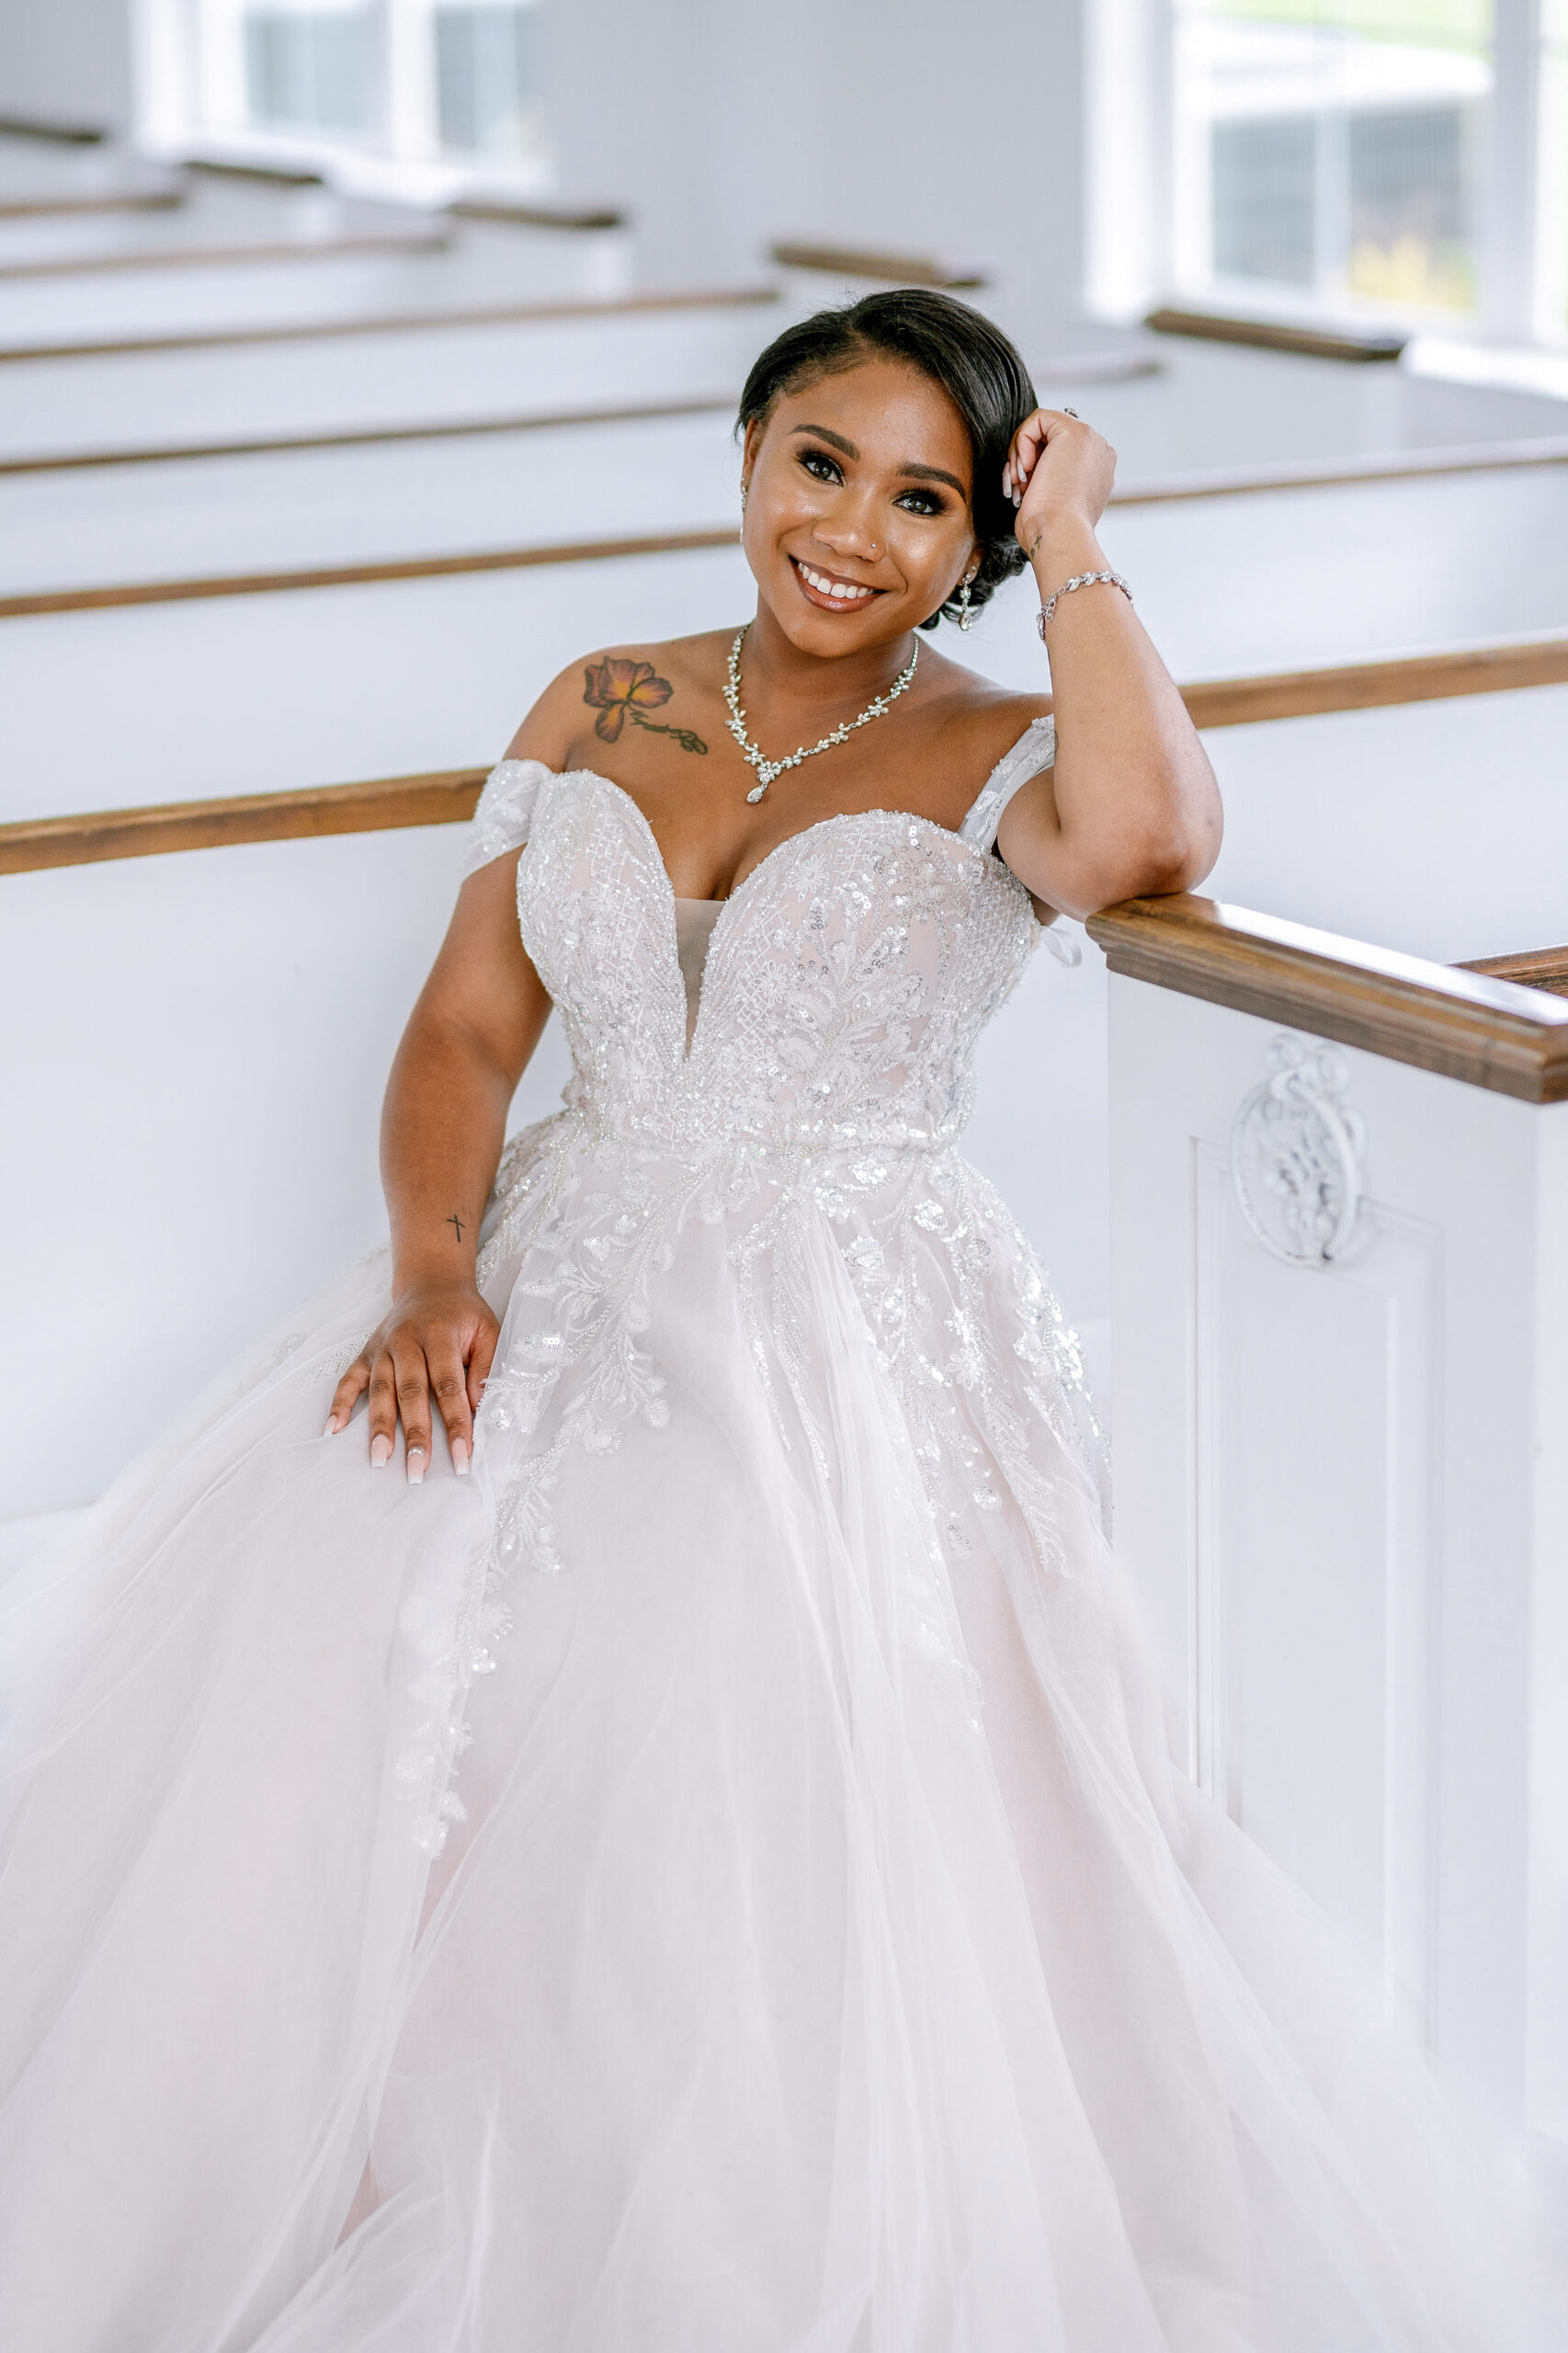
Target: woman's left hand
(1058, 470)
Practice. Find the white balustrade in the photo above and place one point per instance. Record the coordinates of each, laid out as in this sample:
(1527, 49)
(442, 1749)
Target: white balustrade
(1340, 1321)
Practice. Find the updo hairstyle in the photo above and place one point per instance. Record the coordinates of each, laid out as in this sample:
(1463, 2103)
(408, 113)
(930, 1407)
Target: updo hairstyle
(957, 348)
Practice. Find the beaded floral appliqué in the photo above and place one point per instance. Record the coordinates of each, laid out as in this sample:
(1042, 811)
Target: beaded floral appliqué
(827, 1082)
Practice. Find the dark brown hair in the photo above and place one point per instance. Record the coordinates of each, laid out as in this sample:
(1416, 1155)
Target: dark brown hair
(961, 350)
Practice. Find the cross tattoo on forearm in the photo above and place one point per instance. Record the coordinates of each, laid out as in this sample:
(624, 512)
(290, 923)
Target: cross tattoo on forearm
(456, 1223)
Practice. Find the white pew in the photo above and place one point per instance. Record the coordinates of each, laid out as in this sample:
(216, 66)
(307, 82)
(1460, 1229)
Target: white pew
(415, 264)
(153, 219)
(1290, 578)
(1232, 582)
(1341, 1480)
(258, 693)
(181, 698)
(193, 1120)
(379, 375)
(285, 511)
(39, 165)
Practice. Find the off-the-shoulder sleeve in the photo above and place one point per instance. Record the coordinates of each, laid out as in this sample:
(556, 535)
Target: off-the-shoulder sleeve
(504, 812)
(1035, 749)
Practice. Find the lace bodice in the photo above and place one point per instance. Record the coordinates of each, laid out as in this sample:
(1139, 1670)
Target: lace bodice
(846, 982)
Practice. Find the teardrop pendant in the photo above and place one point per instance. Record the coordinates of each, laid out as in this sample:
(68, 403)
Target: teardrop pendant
(768, 769)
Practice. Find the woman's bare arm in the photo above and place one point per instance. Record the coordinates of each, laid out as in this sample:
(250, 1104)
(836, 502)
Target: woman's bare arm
(1131, 806)
(479, 1018)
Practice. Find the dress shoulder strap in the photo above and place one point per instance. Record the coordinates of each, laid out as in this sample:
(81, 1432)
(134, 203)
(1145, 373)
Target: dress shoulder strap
(1035, 750)
(504, 812)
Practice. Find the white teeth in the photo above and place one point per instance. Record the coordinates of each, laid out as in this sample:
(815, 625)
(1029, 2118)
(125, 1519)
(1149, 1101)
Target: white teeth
(842, 592)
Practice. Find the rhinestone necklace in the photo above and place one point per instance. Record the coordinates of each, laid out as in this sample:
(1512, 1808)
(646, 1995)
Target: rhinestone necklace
(768, 769)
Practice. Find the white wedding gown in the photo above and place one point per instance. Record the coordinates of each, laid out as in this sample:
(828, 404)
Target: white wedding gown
(711, 1883)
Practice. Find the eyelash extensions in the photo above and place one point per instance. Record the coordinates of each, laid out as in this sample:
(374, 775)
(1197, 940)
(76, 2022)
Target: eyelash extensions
(934, 504)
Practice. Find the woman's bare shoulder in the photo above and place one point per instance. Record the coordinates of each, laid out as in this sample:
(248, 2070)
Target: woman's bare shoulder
(645, 676)
(975, 719)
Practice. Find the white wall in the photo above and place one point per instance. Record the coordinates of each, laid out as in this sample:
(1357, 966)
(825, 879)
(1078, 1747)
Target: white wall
(66, 60)
(912, 126)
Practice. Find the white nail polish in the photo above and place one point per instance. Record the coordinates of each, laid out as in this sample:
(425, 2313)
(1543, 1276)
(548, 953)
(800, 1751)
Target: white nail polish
(380, 1452)
(331, 1429)
(415, 1466)
(461, 1457)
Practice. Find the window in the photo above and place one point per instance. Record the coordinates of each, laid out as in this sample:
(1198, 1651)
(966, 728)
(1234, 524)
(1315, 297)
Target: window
(1401, 159)
(417, 90)
(1551, 194)
(1335, 147)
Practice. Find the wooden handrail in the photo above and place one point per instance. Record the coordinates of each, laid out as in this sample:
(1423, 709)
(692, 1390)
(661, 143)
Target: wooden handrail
(124, 199)
(891, 269)
(489, 314)
(1536, 968)
(1405, 465)
(356, 575)
(383, 804)
(1485, 1031)
(432, 798)
(539, 216)
(66, 134)
(216, 256)
(1501, 667)
(456, 429)
(1273, 335)
(225, 167)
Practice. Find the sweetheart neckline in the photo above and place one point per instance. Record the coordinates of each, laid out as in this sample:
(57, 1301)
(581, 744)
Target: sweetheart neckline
(839, 818)
(818, 824)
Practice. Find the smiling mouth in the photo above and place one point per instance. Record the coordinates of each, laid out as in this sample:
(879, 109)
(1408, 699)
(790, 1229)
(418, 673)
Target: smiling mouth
(829, 593)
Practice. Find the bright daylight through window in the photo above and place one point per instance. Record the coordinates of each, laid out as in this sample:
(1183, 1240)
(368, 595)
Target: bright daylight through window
(1338, 150)
(416, 85)
(1400, 160)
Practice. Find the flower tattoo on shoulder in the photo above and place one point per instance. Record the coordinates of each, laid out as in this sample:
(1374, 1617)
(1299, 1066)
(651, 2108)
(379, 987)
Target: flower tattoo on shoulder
(620, 691)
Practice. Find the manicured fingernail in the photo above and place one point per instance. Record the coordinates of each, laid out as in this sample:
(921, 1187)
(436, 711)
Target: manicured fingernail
(416, 1465)
(460, 1457)
(380, 1451)
(331, 1429)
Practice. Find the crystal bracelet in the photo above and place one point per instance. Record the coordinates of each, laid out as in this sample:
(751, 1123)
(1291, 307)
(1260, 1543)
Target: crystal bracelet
(1079, 580)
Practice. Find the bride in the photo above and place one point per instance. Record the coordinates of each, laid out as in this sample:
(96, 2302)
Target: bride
(654, 1835)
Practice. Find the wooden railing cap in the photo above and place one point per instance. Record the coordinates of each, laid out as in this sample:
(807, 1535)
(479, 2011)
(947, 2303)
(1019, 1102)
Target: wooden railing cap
(942, 271)
(66, 134)
(1277, 334)
(515, 211)
(434, 321)
(1483, 1031)
(238, 168)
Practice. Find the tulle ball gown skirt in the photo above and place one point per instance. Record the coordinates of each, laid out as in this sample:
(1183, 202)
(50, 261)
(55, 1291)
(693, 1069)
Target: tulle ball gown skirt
(711, 1882)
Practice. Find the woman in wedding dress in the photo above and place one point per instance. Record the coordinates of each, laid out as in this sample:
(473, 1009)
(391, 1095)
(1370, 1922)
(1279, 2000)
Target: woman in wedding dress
(652, 1834)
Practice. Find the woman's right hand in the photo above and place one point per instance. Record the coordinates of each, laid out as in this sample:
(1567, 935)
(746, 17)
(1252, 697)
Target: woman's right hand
(437, 1341)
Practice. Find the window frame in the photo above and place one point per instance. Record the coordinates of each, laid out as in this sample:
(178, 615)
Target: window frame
(190, 98)
(1142, 218)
